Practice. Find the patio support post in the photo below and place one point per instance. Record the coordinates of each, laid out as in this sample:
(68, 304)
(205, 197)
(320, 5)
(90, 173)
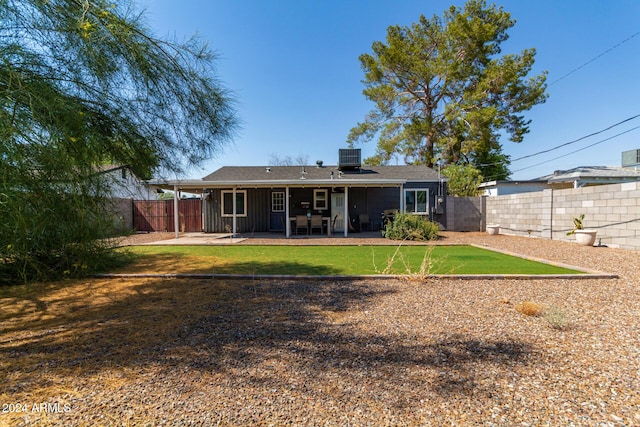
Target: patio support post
(176, 218)
(401, 198)
(234, 211)
(287, 223)
(347, 220)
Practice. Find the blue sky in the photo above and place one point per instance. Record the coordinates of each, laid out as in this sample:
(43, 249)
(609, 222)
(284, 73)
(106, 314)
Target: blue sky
(293, 68)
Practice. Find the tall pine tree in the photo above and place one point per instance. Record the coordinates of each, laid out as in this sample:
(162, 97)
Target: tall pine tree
(442, 91)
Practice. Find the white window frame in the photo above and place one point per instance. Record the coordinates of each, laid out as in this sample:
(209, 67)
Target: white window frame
(416, 190)
(282, 196)
(238, 192)
(326, 200)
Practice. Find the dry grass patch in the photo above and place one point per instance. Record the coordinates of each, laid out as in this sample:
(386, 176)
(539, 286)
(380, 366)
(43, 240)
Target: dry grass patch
(529, 308)
(557, 317)
(248, 352)
(61, 339)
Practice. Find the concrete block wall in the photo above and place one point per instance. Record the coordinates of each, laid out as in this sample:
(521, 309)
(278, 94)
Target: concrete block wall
(523, 214)
(613, 210)
(465, 213)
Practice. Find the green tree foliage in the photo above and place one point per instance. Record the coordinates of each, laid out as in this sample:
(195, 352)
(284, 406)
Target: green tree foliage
(463, 180)
(84, 83)
(442, 90)
(492, 164)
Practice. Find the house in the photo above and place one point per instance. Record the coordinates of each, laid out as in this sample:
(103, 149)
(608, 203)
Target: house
(586, 176)
(241, 199)
(124, 184)
(583, 176)
(503, 187)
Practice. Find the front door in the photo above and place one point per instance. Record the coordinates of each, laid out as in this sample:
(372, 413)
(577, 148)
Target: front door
(277, 220)
(337, 211)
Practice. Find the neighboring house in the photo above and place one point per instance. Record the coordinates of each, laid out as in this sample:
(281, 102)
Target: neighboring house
(268, 198)
(500, 188)
(586, 176)
(126, 185)
(583, 176)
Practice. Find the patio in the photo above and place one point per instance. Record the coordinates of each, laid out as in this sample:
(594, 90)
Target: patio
(264, 238)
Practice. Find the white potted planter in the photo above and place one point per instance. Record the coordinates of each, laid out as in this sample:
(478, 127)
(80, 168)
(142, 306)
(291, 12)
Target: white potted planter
(585, 237)
(493, 228)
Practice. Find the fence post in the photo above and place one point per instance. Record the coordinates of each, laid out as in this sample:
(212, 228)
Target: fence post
(176, 219)
(546, 214)
(551, 218)
(483, 213)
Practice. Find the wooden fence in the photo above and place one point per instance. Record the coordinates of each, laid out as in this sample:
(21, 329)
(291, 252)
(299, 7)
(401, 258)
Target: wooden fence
(158, 215)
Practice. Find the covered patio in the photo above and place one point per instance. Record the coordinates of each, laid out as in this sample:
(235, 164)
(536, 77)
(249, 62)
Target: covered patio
(304, 200)
(294, 200)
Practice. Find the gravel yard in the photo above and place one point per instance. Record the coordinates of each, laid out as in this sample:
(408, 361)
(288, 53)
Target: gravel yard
(439, 352)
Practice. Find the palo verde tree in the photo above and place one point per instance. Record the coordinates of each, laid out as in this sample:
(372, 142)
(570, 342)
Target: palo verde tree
(442, 91)
(84, 83)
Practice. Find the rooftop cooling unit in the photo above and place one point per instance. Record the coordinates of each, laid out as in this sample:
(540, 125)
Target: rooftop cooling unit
(349, 158)
(631, 159)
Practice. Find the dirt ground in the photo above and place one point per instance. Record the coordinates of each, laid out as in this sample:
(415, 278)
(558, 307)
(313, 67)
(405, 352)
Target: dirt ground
(333, 353)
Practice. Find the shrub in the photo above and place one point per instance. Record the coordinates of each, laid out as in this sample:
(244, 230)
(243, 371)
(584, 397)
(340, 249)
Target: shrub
(49, 234)
(411, 227)
(529, 308)
(557, 317)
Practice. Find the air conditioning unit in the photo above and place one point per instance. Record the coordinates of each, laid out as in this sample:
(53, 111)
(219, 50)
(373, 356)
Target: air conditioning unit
(631, 158)
(349, 158)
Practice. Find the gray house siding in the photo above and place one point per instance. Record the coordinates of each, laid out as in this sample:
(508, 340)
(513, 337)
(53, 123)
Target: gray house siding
(257, 212)
(437, 212)
(259, 217)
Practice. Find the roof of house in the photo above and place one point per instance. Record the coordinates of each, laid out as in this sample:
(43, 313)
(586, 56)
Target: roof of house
(508, 182)
(405, 173)
(592, 173)
(301, 176)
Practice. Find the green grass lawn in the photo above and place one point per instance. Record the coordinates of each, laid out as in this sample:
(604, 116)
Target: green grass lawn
(331, 260)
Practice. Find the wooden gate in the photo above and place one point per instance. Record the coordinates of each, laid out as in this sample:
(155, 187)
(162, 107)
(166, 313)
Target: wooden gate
(189, 214)
(157, 215)
(150, 215)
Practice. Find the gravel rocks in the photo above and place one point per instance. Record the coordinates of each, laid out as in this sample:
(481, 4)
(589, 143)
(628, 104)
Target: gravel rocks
(398, 353)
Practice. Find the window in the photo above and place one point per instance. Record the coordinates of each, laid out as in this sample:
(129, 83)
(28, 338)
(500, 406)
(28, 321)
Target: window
(277, 201)
(416, 201)
(320, 200)
(241, 203)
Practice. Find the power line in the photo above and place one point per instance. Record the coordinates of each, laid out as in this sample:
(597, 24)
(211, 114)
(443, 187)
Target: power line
(594, 58)
(577, 140)
(564, 144)
(586, 136)
(578, 150)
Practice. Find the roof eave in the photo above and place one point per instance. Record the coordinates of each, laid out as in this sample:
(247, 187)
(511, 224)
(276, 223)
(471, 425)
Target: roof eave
(201, 184)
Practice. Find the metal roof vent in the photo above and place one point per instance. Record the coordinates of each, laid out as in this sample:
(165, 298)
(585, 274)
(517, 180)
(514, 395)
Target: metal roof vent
(349, 158)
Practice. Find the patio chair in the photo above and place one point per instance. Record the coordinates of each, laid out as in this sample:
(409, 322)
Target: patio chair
(364, 221)
(388, 216)
(302, 222)
(316, 222)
